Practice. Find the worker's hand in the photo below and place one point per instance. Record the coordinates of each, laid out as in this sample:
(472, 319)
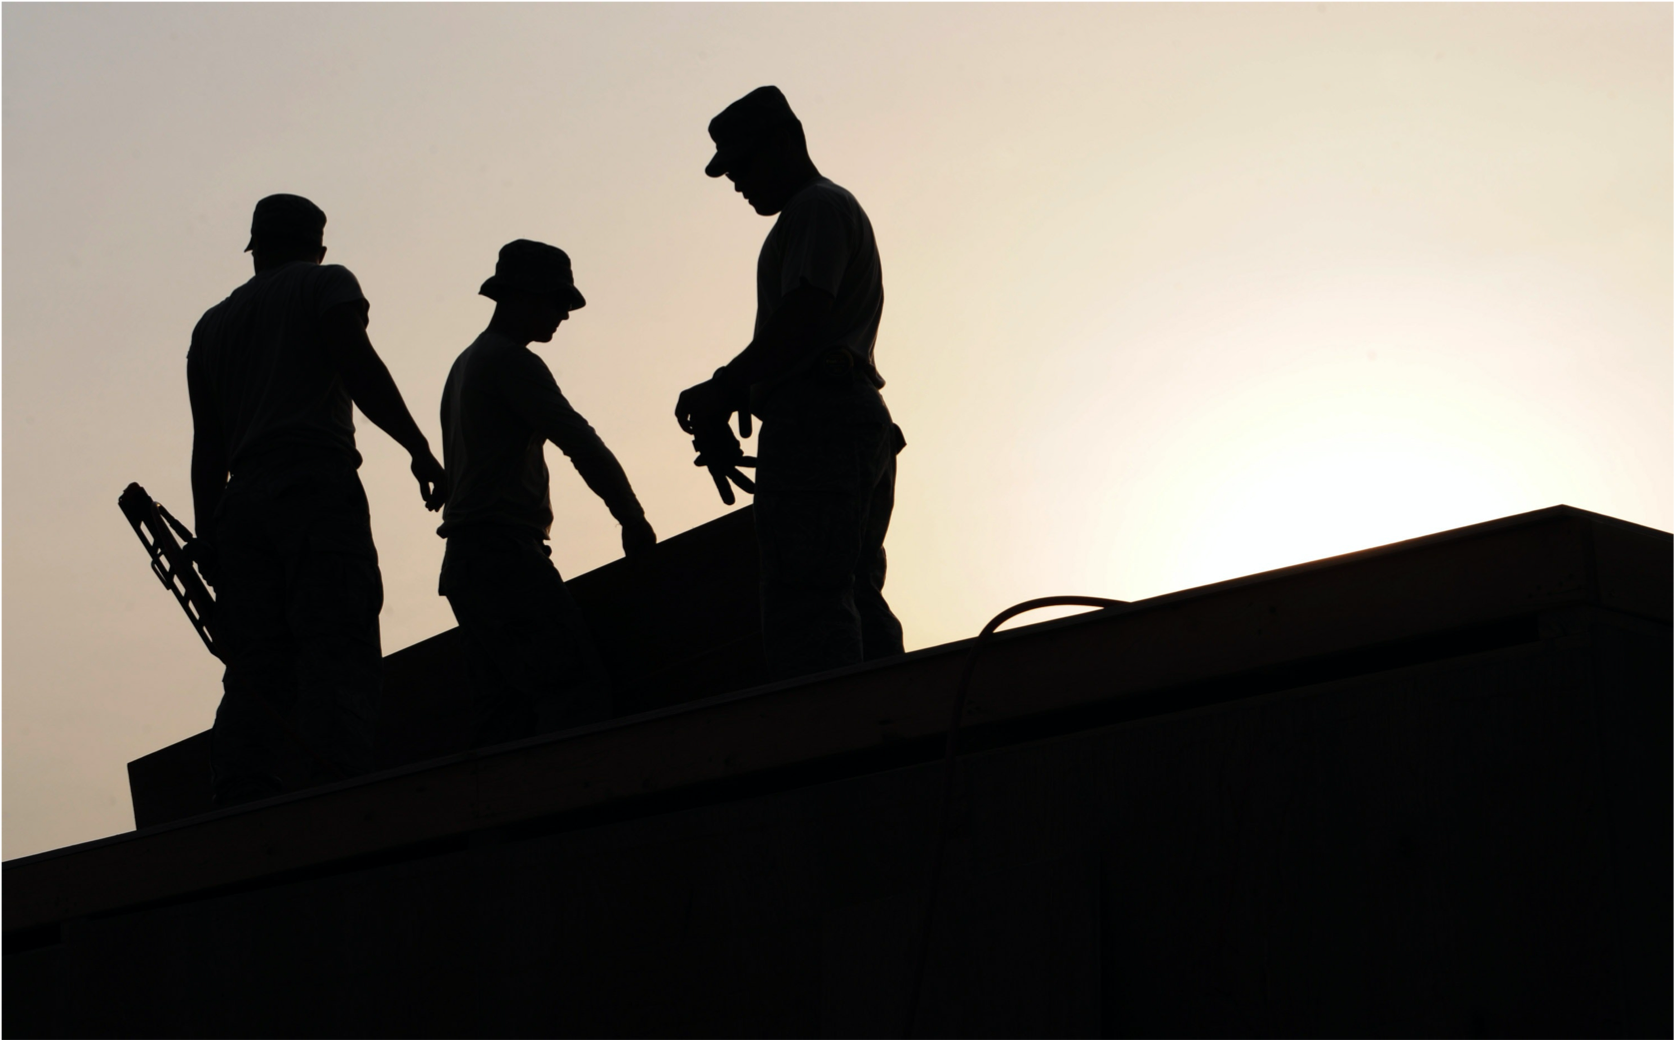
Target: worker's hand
(432, 479)
(721, 474)
(719, 450)
(202, 552)
(637, 539)
(701, 405)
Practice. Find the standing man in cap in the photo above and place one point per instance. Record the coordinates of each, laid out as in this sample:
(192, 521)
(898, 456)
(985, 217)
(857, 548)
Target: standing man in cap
(826, 456)
(532, 662)
(273, 373)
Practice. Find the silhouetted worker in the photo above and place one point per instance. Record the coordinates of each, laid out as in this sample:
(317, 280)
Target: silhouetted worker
(532, 662)
(826, 454)
(273, 373)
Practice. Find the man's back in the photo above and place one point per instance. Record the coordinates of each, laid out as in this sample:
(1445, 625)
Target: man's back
(823, 238)
(493, 454)
(499, 406)
(261, 357)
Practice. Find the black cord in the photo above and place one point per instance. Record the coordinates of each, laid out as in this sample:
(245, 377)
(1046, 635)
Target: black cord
(920, 954)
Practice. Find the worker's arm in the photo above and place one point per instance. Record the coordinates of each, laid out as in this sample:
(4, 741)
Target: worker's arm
(368, 381)
(531, 392)
(209, 453)
(791, 333)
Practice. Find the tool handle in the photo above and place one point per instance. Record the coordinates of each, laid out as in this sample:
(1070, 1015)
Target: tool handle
(169, 561)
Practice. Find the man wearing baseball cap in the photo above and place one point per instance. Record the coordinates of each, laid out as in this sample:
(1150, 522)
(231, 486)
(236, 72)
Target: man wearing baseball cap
(274, 373)
(532, 661)
(825, 470)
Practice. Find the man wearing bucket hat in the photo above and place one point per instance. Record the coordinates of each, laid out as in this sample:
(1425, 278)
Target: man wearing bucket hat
(273, 374)
(532, 662)
(825, 469)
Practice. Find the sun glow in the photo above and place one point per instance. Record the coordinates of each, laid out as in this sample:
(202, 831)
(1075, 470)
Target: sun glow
(1202, 435)
(1177, 293)
(1334, 483)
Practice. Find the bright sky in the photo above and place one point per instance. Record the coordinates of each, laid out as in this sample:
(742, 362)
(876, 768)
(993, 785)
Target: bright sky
(1175, 293)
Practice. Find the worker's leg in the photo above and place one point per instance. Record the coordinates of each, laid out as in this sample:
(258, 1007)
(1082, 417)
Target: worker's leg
(534, 667)
(879, 627)
(812, 501)
(247, 741)
(335, 595)
(808, 618)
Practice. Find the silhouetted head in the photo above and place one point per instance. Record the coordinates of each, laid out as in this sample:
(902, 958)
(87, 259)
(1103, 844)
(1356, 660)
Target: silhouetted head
(533, 289)
(760, 147)
(286, 228)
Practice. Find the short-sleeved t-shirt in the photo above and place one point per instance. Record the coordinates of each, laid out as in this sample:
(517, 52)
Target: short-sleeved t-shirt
(823, 238)
(500, 406)
(261, 356)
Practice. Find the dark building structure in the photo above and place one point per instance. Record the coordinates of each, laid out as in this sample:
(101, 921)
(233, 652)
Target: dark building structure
(685, 627)
(1418, 790)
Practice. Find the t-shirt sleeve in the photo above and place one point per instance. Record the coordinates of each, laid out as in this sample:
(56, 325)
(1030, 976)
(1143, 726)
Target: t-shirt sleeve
(818, 241)
(335, 284)
(527, 387)
(533, 395)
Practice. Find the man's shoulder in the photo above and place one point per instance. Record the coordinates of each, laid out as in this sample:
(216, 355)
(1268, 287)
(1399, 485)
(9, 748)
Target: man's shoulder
(491, 344)
(333, 279)
(333, 271)
(493, 352)
(323, 285)
(824, 202)
(824, 193)
(210, 318)
(245, 289)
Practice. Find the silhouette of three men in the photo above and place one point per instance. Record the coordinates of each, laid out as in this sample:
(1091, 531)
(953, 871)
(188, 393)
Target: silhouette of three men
(283, 521)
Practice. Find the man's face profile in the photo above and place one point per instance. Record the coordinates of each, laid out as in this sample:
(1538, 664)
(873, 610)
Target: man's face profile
(545, 315)
(536, 315)
(753, 175)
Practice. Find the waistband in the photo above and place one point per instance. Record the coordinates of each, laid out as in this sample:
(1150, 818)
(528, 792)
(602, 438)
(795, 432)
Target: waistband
(488, 531)
(285, 457)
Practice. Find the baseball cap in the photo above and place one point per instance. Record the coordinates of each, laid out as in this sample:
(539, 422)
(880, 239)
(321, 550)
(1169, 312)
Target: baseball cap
(743, 125)
(287, 219)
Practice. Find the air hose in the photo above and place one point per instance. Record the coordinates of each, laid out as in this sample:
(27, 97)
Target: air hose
(920, 954)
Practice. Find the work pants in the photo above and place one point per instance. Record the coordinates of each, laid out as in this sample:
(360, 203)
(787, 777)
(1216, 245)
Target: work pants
(532, 663)
(296, 624)
(825, 491)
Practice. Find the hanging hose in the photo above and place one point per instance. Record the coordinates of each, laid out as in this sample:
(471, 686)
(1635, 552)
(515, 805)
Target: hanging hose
(920, 953)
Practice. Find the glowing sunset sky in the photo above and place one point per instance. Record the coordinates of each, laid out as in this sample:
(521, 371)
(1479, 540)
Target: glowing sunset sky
(1175, 293)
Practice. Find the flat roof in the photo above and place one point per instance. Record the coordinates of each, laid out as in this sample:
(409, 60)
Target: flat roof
(1437, 595)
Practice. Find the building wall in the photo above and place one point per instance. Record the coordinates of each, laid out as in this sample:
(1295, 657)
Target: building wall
(1477, 846)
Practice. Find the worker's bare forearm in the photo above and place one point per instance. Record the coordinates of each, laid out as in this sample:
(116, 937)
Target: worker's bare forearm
(367, 378)
(602, 473)
(379, 399)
